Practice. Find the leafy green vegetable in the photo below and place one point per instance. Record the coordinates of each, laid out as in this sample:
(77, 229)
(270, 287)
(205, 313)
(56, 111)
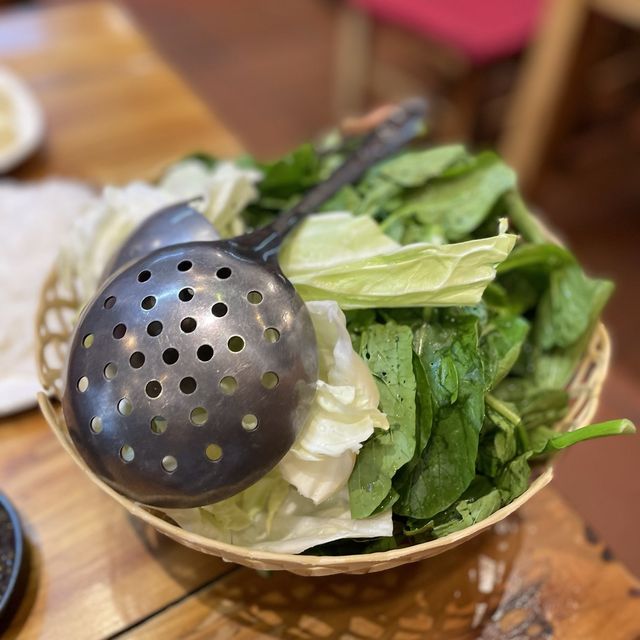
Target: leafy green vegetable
(499, 443)
(478, 502)
(569, 307)
(292, 174)
(524, 221)
(461, 198)
(563, 440)
(538, 257)
(514, 479)
(373, 271)
(500, 347)
(448, 350)
(387, 351)
(471, 345)
(414, 168)
(405, 479)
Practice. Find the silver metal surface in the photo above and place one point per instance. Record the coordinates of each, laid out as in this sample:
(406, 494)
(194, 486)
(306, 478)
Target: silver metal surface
(192, 370)
(175, 224)
(155, 346)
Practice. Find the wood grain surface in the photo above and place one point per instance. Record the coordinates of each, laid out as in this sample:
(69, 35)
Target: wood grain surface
(539, 574)
(116, 112)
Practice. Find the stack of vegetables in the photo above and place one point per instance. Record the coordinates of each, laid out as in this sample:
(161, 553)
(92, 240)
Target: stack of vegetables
(448, 328)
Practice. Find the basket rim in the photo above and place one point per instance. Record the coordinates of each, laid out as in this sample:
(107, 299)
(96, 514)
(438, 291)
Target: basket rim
(176, 532)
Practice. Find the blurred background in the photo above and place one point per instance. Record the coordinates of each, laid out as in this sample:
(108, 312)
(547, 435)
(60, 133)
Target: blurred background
(555, 86)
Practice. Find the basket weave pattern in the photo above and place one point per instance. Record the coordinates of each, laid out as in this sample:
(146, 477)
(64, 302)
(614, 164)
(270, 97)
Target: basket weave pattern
(55, 320)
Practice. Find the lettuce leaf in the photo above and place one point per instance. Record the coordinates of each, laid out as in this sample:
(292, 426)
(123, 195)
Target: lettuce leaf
(227, 189)
(348, 259)
(343, 415)
(272, 516)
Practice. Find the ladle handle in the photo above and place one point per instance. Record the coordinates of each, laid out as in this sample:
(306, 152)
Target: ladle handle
(394, 132)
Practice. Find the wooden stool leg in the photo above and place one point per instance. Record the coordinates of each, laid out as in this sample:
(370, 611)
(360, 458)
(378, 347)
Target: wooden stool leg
(353, 62)
(539, 90)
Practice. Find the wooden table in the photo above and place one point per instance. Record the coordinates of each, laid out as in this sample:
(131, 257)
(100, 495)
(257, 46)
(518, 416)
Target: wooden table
(116, 112)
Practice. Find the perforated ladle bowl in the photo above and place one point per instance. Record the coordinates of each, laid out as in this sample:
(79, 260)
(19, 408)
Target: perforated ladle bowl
(192, 371)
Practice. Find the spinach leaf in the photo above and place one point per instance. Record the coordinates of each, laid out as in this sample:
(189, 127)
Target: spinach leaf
(514, 479)
(448, 349)
(542, 258)
(478, 502)
(527, 224)
(536, 406)
(500, 346)
(409, 475)
(461, 198)
(414, 168)
(347, 199)
(565, 320)
(291, 174)
(572, 304)
(498, 444)
(558, 441)
(387, 351)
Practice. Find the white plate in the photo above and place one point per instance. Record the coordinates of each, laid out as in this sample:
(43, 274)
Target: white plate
(28, 121)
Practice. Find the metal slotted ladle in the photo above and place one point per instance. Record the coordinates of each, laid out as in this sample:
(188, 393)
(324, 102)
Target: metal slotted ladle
(192, 371)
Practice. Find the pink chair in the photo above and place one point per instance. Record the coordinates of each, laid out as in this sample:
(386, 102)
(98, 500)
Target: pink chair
(461, 38)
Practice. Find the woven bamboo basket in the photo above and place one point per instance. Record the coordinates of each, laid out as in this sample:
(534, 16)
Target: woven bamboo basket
(57, 313)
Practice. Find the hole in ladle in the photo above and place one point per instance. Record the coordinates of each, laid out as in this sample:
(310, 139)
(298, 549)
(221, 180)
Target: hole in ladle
(119, 330)
(219, 309)
(205, 352)
(213, 452)
(270, 380)
(137, 359)
(228, 385)
(188, 325)
(125, 407)
(185, 265)
(169, 464)
(199, 416)
(148, 303)
(186, 294)
(235, 344)
(170, 355)
(154, 328)
(153, 388)
(271, 335)
(127, 454)
(249, 422)
(188, 385)
(158, 425)
(96, 424)
(110, 371)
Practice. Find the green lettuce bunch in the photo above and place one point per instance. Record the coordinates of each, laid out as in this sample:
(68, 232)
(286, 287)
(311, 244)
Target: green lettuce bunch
(471, 333)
